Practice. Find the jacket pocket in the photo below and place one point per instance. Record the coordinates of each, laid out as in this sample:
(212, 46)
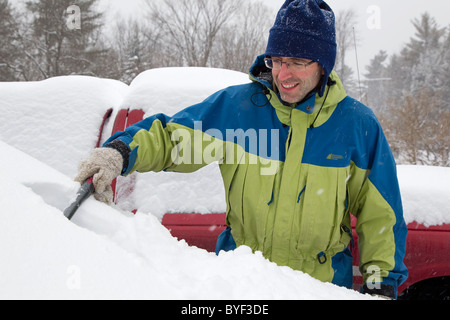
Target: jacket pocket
(300, 194)
(322, 207)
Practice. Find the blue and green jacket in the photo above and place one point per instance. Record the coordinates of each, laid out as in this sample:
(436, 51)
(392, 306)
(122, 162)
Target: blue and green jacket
(293, 175)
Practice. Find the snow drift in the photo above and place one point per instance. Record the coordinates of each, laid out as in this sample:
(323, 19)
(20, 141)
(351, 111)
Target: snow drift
(105, 253)
(47, 127)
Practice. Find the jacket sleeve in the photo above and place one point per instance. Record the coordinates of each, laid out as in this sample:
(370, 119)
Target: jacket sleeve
(148, 145)
(381, 227)
(174, 143)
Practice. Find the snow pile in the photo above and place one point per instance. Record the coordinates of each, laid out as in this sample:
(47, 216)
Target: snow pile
(169, 90)
(425, 194)
(48, 127)
(104, 253)
(57, 120)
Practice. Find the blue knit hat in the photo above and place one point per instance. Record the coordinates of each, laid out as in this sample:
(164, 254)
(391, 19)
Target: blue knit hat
(305, 29)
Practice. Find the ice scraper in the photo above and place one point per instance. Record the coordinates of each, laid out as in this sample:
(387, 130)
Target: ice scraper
(86, 190)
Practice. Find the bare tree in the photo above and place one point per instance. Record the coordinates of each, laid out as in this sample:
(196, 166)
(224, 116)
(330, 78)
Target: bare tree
(418, 133)
(345, 21)
(242, 39)
(192, 25)
(137, 47)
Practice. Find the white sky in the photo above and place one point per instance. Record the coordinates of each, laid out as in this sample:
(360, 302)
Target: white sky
(395, 28)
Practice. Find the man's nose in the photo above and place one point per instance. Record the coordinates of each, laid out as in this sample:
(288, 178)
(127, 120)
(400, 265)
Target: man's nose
(285, 73)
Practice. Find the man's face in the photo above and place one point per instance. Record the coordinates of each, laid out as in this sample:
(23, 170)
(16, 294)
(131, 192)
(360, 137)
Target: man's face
(296, 81)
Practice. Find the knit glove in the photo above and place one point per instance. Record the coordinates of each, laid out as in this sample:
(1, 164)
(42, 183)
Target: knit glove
(104, 165)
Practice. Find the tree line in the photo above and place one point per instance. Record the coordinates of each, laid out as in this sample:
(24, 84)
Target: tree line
(41, 41)
(46, 39)
(409, 93)
(49, 38)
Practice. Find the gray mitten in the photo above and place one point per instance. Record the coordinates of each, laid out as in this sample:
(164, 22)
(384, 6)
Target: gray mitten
(104, 165)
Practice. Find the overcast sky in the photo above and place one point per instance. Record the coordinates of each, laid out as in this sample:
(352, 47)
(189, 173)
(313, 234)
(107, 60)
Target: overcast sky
(383, 24)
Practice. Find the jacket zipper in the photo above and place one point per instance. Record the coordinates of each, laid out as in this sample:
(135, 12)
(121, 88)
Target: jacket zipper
(289, 139)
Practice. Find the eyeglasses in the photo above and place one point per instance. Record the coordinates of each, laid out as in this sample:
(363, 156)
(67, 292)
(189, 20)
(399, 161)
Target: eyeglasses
(276, 64)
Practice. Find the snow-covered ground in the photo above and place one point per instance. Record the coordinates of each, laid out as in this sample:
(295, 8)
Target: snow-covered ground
(47, 127)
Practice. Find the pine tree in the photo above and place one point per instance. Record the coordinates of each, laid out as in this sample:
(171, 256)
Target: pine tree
(62, 48)
(420, 54)
(377, 81)
(428, 35)
(426, 50)
(8, 43)
(417, 98)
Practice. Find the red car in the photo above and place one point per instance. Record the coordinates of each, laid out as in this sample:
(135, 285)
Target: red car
(427, 251)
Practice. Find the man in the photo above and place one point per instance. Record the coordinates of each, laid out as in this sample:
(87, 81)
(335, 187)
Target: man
(290, 192)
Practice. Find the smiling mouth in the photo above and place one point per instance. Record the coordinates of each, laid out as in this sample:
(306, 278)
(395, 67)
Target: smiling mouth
(288, 86)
